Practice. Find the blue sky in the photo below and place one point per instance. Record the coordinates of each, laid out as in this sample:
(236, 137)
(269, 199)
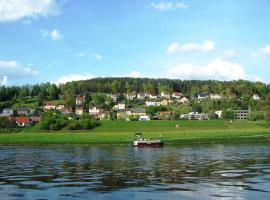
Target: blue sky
(63, 40)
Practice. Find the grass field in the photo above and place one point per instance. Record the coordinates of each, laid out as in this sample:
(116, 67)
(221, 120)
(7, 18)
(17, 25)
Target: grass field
(122, 132)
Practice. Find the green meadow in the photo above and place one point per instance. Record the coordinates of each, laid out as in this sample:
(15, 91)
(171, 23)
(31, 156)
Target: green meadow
(122, 132)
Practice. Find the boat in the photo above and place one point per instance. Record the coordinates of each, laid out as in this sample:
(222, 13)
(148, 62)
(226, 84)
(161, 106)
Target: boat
(139, 141)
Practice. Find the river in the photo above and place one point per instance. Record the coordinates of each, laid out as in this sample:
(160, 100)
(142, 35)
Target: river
(218, 171)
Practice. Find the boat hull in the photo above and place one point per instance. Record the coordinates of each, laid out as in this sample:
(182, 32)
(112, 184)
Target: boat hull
(153, 144)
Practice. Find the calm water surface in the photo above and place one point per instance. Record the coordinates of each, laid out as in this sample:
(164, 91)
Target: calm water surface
(178, 172)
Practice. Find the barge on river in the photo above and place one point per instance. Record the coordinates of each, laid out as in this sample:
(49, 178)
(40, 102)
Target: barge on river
(142, 142)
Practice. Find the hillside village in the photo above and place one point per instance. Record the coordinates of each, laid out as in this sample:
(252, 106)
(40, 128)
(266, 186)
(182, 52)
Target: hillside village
(130, 107)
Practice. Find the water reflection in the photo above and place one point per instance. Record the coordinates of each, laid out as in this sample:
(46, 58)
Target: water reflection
(201, 172)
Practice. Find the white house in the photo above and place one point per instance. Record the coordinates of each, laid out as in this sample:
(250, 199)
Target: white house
(152, 103)
(176, 95)
(7, 112)
(183, 100)
(256, 97)
(94, 111)
(153, 96)
(131, 96)
(165, 95)
(120, 106)
(114, 97)
(50, 106)
(60, 107)
(80, 100)
(203, 95)
(141, 96)
(215, 96)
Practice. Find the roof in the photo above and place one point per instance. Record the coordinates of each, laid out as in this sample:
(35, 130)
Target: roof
(8, 110)
(80, 97)
(165, 113)
(203, 94)
(23, 109)
(138, 110)
(121, 110)
(22, 120)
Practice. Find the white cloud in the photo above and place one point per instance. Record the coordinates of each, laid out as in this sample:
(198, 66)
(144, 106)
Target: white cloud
(135, 74)
(4, 80)
(262, 53)
(74, 77)
(229, 54)
(165, 6)
(53, 34)
(191, 47)
(12, 10)
(217, 69)
(84, 54)
(14, 70)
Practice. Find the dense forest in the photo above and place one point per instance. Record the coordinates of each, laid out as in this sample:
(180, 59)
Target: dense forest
(190, 88)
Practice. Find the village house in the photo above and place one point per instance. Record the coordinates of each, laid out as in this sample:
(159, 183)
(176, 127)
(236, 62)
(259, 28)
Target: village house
(121, 114)
(7, 112)
(79, 110)
(95, 111)
(215, 96)
(23, 111)
(60, 107)
(66, 111)
(120, 106)
(203, 95)
(152, 103)
(153, 96)
(194, 115)
(165, 95)
(50, 106)
(131, 96)
(176, 95)
(256, 97)
(22, 121)
(183, 100)
(103, 115)
(141, 96)
(164, 114)
(80, 100)
(35, 119)
(114, 97)
(136, 112)
(164, 102)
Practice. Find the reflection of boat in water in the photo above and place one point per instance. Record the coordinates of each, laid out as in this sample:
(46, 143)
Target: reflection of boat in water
(142, 142)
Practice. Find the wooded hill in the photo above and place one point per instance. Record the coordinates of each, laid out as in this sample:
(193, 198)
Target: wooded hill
(190, 88)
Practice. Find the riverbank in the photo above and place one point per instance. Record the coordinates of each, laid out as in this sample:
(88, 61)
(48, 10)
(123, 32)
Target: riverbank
(122, 132)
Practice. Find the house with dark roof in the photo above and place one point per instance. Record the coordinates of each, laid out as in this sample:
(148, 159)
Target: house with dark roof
(23, 111)
(7, 112)
(203, 95)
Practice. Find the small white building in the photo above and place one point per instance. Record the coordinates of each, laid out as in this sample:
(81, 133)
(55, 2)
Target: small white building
(60, 107)
(153, 96)
(7, 112)
(176, 95)
(94, 111)
(215, 96)
(120, 106)
(203, 95)
(131, 96)
(183, 100)
(50, 106)
(152, 103)
(165, 95)
(114, 97)
(141, 96)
